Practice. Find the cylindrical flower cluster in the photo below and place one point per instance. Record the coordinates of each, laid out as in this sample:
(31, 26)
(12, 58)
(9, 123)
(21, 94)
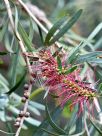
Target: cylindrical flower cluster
(66, 86)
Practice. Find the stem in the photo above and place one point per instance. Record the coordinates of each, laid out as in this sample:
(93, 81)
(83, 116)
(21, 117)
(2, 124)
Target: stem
(24, 110)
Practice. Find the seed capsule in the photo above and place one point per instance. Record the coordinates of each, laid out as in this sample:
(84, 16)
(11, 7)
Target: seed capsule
(24, 99)
(17, 124)
(26, 95)
(18, 119)
(27, 114)
(21, 114)
(32, 80)
(26, 86)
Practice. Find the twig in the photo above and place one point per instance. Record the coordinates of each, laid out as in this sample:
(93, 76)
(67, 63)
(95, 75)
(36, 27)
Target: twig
(26, 58)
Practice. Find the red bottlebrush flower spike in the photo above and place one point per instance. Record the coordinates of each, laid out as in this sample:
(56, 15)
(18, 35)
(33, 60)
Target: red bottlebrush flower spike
(63, 80)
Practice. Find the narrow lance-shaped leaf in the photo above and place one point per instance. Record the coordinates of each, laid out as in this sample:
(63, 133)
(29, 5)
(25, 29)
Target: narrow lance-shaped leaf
(25, 37)
(72, 121)
(54, 29)
(31, 30)
(41, 34)
(52, 123)
(17, 85)
(59, 63)
(14, 66)
(3, 30)
(70, 70)
(8, 43)
(96, 127)
(73, 54)
(66, 27)
(52, 134)
(45, 123)
(90, 57)
(61, 27)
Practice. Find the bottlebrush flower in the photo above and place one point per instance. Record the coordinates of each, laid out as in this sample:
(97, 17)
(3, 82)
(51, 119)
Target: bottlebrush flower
(64, 81)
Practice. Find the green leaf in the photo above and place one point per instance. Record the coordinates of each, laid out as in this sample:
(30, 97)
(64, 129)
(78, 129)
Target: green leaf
(52, 134)
(31, 30)
(3, 30)
(25, 37)
(41, 34)
(17, 85)
(71, 122)
(3, 53)
(45, 123)
(60, 28)
(59, 63)
(93, 34)
(52, 123)
(73, 54)
(70, 70)
(8, 44)
(14, 66)
(54, 29)
(90, 57)
(96, 127)
(100, 87)
(79, 124)
(74, 36)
